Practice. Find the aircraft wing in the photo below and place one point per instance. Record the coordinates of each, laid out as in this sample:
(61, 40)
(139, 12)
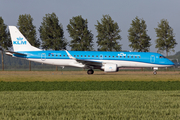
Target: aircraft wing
(89, 62)
(85, 61)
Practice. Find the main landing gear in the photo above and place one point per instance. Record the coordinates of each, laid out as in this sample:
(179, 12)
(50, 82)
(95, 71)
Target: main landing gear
(90, 71)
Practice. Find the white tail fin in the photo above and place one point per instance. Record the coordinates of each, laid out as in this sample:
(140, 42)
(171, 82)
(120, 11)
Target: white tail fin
(19, 42)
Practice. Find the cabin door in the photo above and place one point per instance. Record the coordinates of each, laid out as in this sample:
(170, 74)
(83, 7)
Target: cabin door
(152, 59)
(43, 56)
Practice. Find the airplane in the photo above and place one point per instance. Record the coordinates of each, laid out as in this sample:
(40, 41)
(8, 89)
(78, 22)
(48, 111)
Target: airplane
(106, 61)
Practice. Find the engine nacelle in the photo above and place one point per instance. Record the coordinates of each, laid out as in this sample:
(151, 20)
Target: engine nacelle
(110, 68)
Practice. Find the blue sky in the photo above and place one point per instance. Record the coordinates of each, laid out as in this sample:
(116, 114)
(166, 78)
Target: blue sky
(121, 11)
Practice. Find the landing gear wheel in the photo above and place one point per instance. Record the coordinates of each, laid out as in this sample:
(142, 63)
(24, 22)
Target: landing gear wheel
(90, 72)
(154, 72)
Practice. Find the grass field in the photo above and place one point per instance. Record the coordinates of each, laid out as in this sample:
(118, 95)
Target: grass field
(90, 86)
(20, 76)
(74, 95)
(95, 105)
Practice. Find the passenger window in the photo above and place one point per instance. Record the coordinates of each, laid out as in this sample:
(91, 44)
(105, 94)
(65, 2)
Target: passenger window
(105, 56)
(74, 55)
(109, 56)
(124, 56)
(135, 56)
(81, 55)
(97, 56)
(77, 55)
(128, 56)
(88, 55)
(120, 56)
(93, 56)
(131, 56)
(60, 55)
(113, 56)
(85, 56)
(117, 56)
(139, 56)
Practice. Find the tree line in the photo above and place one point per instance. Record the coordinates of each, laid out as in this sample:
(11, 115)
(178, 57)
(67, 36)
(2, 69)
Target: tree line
(108, 38)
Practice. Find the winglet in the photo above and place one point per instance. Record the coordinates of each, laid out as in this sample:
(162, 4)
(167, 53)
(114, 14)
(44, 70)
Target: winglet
(70, 56)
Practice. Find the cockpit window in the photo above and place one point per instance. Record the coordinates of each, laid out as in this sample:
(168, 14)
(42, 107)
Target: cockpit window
(162, 57)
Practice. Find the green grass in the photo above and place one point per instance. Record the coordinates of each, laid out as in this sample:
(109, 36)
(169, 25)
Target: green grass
(83, 105)
(78, 96)
(89, 86)
(49, 76)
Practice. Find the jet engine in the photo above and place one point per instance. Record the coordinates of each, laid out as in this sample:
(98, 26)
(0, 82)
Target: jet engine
(110, 68)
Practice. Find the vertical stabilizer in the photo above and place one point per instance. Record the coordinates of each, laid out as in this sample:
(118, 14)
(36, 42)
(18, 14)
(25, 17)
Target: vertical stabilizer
(19, 42)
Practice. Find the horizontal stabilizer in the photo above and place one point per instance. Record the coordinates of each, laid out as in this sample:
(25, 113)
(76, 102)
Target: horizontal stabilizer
(11, 53)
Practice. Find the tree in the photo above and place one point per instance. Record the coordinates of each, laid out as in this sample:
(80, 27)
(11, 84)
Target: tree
(82, 38)
(51, 33)
(108, 34)
(5, 41)
(27, 28)
(165, 37)
(138, 37)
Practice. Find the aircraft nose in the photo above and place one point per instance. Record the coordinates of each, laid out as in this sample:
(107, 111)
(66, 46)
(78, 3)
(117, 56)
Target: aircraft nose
(171, 63)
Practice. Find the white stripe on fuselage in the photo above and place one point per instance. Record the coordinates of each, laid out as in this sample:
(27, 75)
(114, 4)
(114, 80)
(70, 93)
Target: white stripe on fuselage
(120, 63)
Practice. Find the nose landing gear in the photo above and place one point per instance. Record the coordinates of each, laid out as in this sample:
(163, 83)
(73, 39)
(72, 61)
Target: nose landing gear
(155, 70)
(90, 71)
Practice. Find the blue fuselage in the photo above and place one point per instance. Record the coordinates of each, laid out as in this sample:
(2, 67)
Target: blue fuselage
(137, 57)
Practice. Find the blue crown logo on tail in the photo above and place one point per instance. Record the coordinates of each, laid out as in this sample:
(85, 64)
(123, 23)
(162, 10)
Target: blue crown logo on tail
(19, 41)
(19, 38)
